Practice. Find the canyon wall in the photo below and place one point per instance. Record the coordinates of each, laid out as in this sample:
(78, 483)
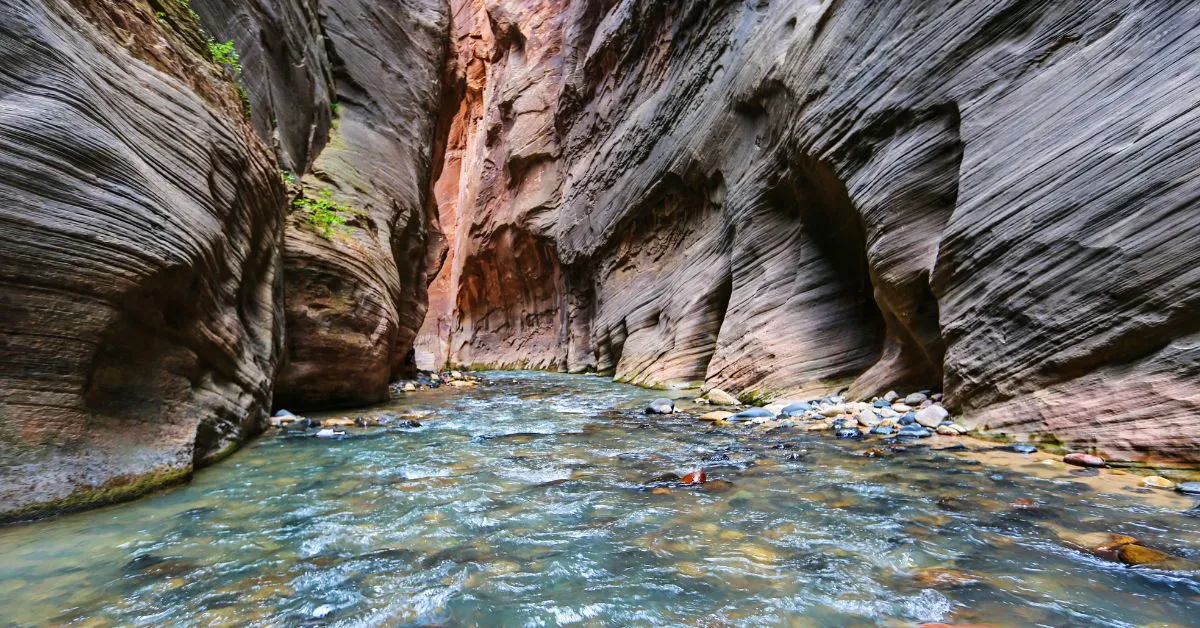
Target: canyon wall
(348, 91)
(140, 238)
(176, 206)
(995, 198)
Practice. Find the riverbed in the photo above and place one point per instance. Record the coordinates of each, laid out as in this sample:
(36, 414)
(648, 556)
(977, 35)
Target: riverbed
(530, 500)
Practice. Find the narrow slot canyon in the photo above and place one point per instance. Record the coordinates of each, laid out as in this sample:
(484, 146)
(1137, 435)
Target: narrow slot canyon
(650, 312)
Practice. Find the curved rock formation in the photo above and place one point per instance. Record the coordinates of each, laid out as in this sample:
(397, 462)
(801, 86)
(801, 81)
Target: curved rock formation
(991, 197)
(140, 300)
(349, 91)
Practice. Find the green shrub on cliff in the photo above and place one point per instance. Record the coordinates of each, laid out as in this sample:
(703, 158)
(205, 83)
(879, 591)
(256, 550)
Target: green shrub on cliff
(224, 54)
(325, 215)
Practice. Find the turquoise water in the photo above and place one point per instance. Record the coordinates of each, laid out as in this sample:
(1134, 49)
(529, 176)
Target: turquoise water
(523, 502)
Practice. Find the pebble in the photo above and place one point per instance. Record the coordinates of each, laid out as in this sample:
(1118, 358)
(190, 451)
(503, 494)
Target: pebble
(695, 477)
(716, 415)
(932, 416)
(908, 419)
(1189, 488)
(866, 418)
(915, 399)
(796, 409)
(947, 430)
(883, 430)
(1158, 481)
(914, 431)
(284, 413)
(662, 405)
(1021, 448)
(719, 397)
(751, 414)
(879, 403)
(849, 433)
(1083, 460)
(891, 396)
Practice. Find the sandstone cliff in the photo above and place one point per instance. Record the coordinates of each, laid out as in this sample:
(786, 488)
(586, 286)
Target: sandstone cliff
(140, 237)
(349, 92)
(993, 197)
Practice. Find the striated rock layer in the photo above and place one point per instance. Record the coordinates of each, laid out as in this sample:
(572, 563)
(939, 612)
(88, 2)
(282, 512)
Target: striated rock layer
(348, 91)
(994, 197)
(140, 237)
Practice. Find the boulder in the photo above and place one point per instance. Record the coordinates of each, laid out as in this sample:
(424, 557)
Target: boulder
(752, 414)
(662, 405)
(796, 409)
(931, 416)
(719, 397)
(1083, 460)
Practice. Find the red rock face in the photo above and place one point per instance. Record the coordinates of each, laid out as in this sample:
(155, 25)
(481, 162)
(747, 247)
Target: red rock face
(993, 199)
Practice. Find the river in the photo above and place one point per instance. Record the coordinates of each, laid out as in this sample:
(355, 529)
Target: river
(525, 502)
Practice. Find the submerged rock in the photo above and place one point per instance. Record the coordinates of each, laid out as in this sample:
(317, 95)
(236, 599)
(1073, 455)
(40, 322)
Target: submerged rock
(849, 433)
(1157, 481)
(715, 415)
(914, 431)
(1189, 488)
(944, 578)
(662, 405)
(1134, 554)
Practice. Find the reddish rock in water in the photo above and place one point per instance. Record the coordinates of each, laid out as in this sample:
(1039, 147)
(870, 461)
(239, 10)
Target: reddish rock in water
(1083, 460)
(1134, 554)
(944, 578)
(695, 477)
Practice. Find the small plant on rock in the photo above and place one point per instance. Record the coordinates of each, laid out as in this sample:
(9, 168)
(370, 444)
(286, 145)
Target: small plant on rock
(325, 215)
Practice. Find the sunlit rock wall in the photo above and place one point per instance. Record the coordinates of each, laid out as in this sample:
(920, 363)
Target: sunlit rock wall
(994, 197)
(140, 237)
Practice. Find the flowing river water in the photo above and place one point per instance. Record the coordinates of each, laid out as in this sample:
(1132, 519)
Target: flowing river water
(523, 502)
